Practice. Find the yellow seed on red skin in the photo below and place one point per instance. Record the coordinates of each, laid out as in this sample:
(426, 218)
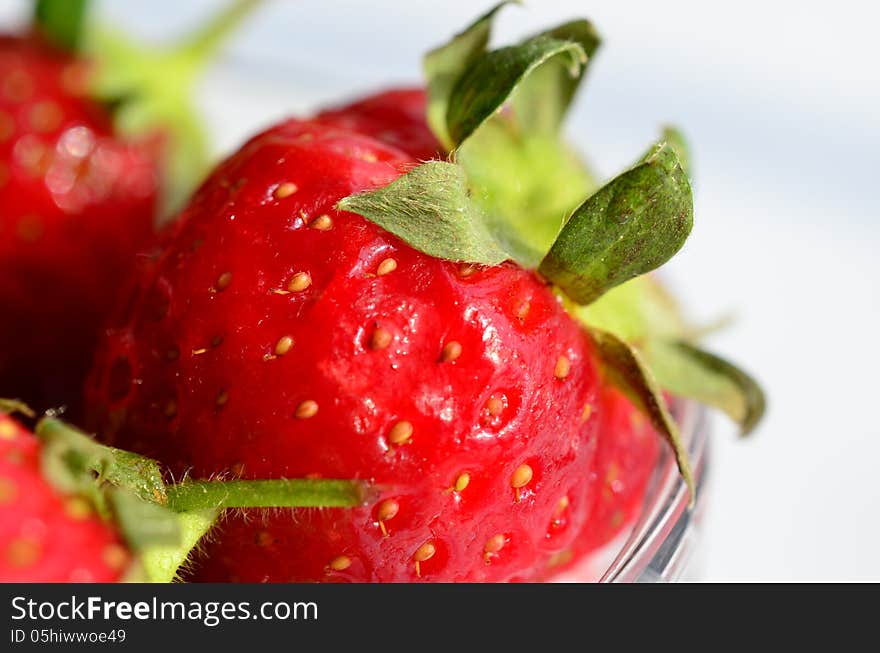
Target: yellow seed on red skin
(22, 552)
(523, 310)
(381, 338)
(400, 432)
(8, 491)
(563, 367)
(45, 116)
(263, 538)
(199, 352)
(494, 544)
(424, 552)
(170, 410)
(222, 398)
(114, 556)
(521, 476)
(387, 510)
(322, 223)
(462, 482)
(223, 281)
(18, 86)
(340, 563)
(284, 345)
(7, 430)
(588, 410)
(307, 409)
(495, 406)
(77, 508)
(561, 506)
(286, 189)
(451, 351)
(387, 266)
(299, 282)
(466, 270)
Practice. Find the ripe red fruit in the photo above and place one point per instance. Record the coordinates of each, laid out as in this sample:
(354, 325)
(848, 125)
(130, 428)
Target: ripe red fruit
(628, 445)
(278, 337)
(45, 536)
(627, 454)
(395, 117)
(76, 203)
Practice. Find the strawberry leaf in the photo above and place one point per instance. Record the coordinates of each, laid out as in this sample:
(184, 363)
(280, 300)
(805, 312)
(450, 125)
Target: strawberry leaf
(60, 22)
(677, 141)
(161, 563)
(143, 523)
(275, 493)
(431, 209)
(494, 76)
(443, 66)
(12, 406)
(624, 368)
(687, 371)
(543, 98)
(630, 226)
(637, 310)
(75, 463)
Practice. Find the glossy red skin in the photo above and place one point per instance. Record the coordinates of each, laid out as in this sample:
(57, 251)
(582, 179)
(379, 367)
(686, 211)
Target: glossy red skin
(628, 452)
(395, 117)
(45, 536)
(629, 447)
(76, 203)
(511, 328)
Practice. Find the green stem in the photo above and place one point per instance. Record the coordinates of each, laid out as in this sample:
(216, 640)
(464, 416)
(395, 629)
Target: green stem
(162, 563)
(204, 42)
(279, 493)
(61, 21)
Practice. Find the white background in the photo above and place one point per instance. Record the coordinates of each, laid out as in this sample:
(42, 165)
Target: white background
(781, 102)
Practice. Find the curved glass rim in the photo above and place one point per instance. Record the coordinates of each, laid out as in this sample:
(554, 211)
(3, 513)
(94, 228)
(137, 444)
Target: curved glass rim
(662, 539)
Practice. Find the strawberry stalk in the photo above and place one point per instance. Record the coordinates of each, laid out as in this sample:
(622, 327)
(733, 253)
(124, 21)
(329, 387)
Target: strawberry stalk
(164, 523)
(279, 493)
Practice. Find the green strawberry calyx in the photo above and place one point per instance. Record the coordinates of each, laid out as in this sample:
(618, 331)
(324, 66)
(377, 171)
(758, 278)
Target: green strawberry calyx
(512, 190)
(163, 523)
(150, 89)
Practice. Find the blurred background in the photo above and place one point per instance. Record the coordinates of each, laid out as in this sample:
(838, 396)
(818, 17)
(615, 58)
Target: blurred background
(781, 104)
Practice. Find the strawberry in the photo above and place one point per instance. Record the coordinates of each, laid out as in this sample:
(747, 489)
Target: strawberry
(275, 315)
(76, 203)
(328, 307)
(46, 536)
(72, 509)
(394, 116)
(628, 448)
(80, 189)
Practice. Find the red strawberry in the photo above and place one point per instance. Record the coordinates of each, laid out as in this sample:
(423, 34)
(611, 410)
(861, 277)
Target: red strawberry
(278, 337)
(44, 536)
(627, 455)
(75, 205)
(628, 445)
(78, 197)
(395, 117)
